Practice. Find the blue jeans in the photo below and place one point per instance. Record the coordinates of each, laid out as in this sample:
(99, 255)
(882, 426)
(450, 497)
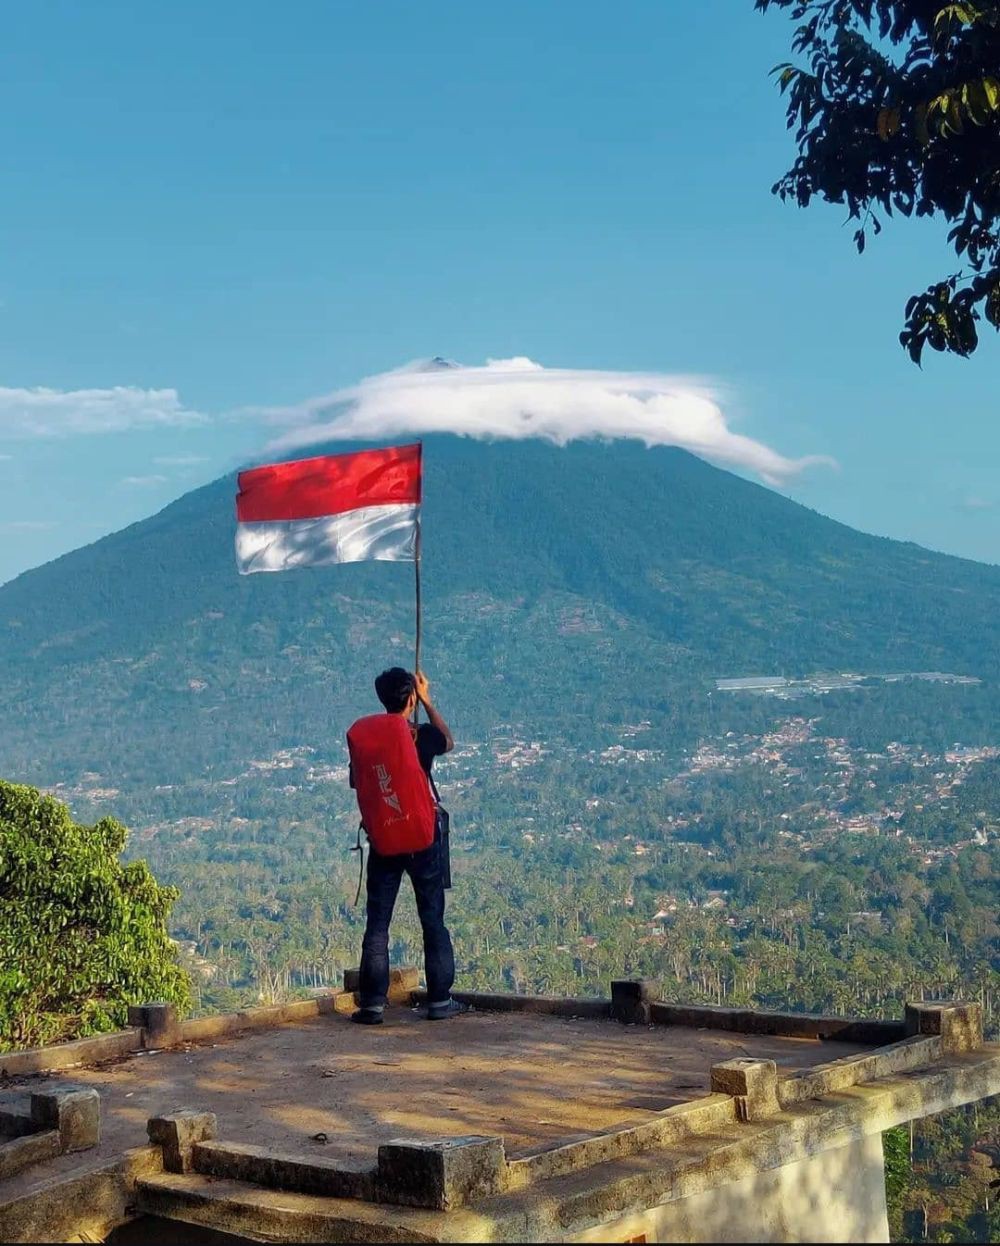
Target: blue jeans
(384, 877)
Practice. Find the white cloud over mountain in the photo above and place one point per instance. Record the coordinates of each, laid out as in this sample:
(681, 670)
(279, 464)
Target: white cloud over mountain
(517, 398)
(503, 398)
(43, 412)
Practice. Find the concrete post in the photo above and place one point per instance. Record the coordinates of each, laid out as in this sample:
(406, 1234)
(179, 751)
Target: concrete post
(440, 1174)
(158, 1022)
(752, 1083)
(75, 1111)
(959, 1025)
(177, 1134)
(631, 999)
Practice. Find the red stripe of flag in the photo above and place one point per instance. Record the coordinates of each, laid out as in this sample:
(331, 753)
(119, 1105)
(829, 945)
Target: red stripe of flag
(329, 485)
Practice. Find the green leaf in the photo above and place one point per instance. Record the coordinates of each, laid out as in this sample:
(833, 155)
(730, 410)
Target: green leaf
(992, 308)
(964, 13)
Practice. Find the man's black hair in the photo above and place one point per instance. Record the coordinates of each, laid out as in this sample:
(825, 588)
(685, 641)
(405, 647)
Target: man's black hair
(394, 688)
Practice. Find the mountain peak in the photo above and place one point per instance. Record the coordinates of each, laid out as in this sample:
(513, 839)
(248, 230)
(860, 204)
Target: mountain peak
(551, 575)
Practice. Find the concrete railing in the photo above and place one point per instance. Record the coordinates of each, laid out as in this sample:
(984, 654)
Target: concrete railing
(155, 1026)
(57, 1120)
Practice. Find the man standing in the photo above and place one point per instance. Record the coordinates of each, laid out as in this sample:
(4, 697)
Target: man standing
(389, 770)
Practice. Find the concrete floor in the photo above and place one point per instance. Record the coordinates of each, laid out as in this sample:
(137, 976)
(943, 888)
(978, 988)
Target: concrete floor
(539, 1081)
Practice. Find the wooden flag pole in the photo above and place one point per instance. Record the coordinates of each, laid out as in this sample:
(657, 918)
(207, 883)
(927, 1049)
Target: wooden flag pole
(416, 566)
(419, 603)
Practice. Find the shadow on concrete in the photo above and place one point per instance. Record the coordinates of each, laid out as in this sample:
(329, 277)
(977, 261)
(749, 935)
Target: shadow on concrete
(152, 1231)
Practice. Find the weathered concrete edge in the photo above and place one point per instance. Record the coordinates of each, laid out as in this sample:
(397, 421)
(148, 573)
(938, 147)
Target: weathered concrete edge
(21, 1153)
(65, 1055)
(305, 1175)
(302, 1174)
(200, 1028)
(264, 1215)
(695, 1016)
(93, 1201)
(713, 1111)
(781, 1024)
(103, 1047)
(824, 1079)
(591, 1009)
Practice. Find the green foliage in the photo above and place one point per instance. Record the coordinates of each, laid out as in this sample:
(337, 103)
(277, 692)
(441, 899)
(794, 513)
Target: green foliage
(937, 1185)
(81, 934)
(899, 110)
(896, 1153)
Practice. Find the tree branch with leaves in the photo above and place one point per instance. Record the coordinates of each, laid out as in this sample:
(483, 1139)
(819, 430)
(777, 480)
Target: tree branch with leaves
(896, 109)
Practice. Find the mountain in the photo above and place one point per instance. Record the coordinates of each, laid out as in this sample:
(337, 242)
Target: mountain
(565, 588)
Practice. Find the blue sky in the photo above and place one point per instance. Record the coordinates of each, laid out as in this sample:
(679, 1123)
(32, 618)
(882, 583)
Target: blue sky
(253, 204)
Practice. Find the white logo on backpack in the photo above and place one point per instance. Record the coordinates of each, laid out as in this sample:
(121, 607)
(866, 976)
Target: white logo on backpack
(385, 787)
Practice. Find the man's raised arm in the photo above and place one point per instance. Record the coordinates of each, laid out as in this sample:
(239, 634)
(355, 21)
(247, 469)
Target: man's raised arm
(424, 695)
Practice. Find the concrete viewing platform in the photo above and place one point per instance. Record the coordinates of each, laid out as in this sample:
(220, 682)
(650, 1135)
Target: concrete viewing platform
(527, 1119)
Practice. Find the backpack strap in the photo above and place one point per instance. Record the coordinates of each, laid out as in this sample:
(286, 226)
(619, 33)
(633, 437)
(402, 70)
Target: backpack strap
(359, 848)
(442, 832)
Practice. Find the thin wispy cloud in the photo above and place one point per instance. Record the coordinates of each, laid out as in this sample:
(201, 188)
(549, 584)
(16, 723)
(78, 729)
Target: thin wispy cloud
(27, 525)
(518, 398)
(179, 460)
(143, 482)
(978, 504)
(42, 412)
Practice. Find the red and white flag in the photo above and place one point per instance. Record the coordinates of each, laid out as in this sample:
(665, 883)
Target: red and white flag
(337, 508)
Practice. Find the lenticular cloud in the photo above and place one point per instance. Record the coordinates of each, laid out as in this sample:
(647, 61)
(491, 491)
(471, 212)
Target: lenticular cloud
(518, 398)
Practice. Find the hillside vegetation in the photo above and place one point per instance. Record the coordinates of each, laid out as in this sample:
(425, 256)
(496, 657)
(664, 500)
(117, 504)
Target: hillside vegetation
(564, 586)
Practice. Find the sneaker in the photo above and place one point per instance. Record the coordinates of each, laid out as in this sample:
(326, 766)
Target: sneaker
(450, 1008)
(367, 1016)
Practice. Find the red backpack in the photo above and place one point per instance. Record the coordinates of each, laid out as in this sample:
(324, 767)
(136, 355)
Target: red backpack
(393, 792)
